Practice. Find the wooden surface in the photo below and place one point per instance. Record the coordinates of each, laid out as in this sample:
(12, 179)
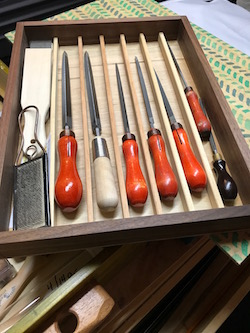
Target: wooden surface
(36, 76)
(68, 232)
(53, 139)
(85, 314)
(31, 317)
(168, 262)
(176, 220)
(14, 288)
(37, 278)
(88, 183)
(213, 298)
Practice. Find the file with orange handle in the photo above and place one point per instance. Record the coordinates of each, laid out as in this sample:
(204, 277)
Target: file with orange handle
(68, 187)
(202, 123)
(136, 187)
(194, 173)
(165, 178)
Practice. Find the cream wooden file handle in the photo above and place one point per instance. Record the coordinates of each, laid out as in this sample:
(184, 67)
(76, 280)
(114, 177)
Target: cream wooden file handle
(106, 194)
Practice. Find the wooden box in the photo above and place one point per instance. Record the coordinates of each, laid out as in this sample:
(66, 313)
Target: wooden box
(118, 41)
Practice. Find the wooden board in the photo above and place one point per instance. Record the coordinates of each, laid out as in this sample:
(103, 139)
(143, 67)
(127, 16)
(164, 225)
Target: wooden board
(213, 298)
(112, 268)
(109, 42)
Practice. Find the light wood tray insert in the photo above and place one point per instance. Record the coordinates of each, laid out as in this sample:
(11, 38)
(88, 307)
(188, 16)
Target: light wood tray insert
(109, 42)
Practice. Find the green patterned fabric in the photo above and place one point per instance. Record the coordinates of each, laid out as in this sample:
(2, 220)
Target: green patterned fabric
(232, 70)
(230, 66)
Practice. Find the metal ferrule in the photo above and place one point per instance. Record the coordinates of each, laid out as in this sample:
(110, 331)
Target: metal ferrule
(176, 126)
(216, 156)
(153, 131)
(100, 148)
(128, 136)
(67, 132)
(188, 89)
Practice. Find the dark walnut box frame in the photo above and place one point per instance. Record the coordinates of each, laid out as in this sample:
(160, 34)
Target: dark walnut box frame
(109, 231)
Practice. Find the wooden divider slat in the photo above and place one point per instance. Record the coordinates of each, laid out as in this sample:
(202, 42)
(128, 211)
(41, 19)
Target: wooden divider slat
(52, 156)
(122, 188)
(88, 180)
(149, 167)
(193, 134)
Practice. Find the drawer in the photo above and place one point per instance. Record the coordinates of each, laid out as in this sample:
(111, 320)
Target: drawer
(110, 42)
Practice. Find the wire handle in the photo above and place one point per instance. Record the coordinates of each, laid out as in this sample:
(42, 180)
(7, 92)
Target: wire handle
(31, 147)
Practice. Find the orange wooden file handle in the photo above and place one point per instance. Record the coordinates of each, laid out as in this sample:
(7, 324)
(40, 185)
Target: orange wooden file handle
(165, 178)
(136, 187)
(68, 188)
(195, 175)
(201, 121)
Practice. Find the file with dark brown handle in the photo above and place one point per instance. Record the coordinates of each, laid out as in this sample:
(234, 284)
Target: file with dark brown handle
(226, 185)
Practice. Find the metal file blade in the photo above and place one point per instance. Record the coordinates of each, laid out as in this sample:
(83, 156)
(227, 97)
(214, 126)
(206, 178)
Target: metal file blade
(122, 102)
(145, 94)
(93, 106)
(66, 97)
(177, 66)
(166, 102)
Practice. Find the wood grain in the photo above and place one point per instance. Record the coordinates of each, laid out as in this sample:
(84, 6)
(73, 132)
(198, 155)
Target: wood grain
(56, 270)
(168, 221)
(88, 180)
(163, 269)
(115, 232)
(36, 90)
(52, 154)
(44, 309)
(225, 306)
(84, 315)
(204, 308)
(15, 287)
